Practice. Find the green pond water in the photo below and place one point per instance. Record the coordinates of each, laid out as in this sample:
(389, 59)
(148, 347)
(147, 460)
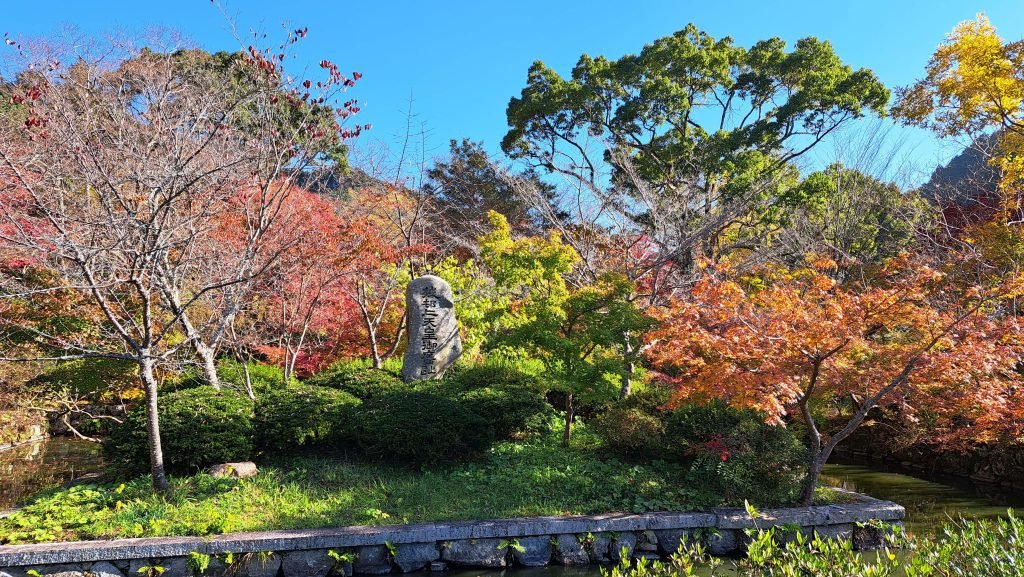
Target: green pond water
(33, 467)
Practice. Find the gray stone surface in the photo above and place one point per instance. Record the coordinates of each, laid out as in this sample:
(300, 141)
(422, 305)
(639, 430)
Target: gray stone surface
(840, 531)
(600, 548)
(434, 342)
(12, 572)
(61, 570)
(622, 540)
(372, 560)
(240, 470)
(475, 552)
(568, 550)
(724, 542)
(178, 567)
(256, 565)
(647, 541)
(438, 566)
(306, 563)
(669, 539)
(104, 569)
(536, 551)
(415, 556)
(137, 567)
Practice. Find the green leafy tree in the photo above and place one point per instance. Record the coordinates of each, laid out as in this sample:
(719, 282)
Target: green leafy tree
(692, 134)
(576, 333)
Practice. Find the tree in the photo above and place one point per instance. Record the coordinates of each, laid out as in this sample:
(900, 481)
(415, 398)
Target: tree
(117, 182)
(788, 341)
(691, 135)
(851, 217)
(974, 84)
(575, 333)
(467, 185)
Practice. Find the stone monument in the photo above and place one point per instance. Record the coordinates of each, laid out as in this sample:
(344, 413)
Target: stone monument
(434, 343)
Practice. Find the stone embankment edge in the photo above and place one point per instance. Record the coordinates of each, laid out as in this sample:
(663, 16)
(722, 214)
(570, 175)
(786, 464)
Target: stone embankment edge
(826, 519)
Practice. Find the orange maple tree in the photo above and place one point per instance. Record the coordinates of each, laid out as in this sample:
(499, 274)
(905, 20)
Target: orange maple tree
(784, 341)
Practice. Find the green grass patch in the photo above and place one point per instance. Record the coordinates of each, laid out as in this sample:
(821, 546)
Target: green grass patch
(513, 479)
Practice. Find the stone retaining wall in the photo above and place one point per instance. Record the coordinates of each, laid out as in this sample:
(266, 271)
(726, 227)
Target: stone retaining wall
(377, 550)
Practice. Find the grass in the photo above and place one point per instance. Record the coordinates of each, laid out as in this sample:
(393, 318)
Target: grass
(515, 479)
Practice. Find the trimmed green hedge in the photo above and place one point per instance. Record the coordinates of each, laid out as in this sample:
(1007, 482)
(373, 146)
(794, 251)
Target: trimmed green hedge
(302, 415)
(199, 427)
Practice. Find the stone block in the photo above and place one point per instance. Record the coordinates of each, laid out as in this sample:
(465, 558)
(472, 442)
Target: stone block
(240, 470)
(257, 565)
(415, 556)
(12, 572)
(62, 570)
(179, 567)
(569, 551)
(600, 548)
(308, 563)
(372, 560)
(533, 551)
(103, 569)
(670, 539)
(438, 566)
(842, 531)
(647, 541)
(475, 552)
(622, 541)
(723, 542)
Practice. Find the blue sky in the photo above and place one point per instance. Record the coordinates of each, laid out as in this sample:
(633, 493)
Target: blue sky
(461, 61)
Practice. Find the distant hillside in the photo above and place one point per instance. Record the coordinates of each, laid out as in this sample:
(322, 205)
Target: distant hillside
(967, 178)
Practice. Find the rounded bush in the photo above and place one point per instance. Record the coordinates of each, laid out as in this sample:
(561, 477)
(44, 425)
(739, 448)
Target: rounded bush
(511, 412)
(198, 427)
(301, 415)
(357, 380)
(419, 427)
(491, 376)
(735, 455)
(630, 431)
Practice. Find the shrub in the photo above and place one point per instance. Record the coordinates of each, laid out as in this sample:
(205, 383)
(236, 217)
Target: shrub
(420, 427)
(357, 379)
(199, 427)
(734, 455)
(491, 376)
(511, 401)
(264, 378)
(301, 415)
(630, 431)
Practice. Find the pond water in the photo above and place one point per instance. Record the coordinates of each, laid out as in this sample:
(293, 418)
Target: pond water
(929, 503)
(31, 468)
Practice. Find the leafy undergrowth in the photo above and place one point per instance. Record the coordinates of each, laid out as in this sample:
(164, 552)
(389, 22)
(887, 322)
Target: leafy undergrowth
(515, 479)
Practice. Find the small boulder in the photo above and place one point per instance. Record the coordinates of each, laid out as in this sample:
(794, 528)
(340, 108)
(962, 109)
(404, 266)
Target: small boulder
(411, 557)
(569, 551)
(12, 572)
(240, 470)
(256, 565)
(372, 560)
(533, 551)
(475, 552)
(622, 541)
(311, 563)
(725, 542)
(103, 569)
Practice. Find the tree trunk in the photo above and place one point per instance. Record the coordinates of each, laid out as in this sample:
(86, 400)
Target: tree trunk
(209, 365)
(569, 415)
(628, 354)
(156, 453)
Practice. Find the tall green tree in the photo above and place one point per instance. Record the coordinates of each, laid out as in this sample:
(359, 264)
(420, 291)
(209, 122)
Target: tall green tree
(693, 134)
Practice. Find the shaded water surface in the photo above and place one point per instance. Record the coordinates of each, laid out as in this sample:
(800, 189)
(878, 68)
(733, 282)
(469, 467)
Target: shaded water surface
(929, 503)
(31, 468)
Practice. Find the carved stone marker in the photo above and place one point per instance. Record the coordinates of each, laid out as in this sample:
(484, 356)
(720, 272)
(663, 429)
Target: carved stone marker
(434, 343)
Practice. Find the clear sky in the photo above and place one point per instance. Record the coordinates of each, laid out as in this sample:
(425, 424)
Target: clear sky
(461, 61)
